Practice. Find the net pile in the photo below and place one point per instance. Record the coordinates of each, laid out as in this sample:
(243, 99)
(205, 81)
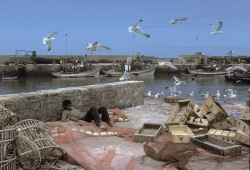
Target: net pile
(91, 147)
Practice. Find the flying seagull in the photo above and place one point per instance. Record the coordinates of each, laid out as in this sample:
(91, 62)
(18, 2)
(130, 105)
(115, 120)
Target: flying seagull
(47, 40)
(217, 30)
(174, 21)
(135, 28)
(96, 47)
(178, 81)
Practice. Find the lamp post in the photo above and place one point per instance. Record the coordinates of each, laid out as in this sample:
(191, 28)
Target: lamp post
(66, 42)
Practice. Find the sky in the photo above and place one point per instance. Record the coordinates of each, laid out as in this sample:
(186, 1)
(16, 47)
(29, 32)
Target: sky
(24, 24)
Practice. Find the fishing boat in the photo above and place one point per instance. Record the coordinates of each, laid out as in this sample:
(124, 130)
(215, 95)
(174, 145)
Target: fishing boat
(112, 73)
(10, 78)
(92, 73)
(238, 76)
(207, 72)
(143, 72)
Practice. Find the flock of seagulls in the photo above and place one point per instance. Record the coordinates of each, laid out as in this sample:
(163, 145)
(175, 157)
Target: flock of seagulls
(133, 29)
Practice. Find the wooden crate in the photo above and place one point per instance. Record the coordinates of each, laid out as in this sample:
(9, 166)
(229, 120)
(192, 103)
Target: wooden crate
(225, 135)
(244, 125)
(246, 116)
(215, 146)
(197, 121)
(197, 111)
(242, 137)
(224, 124)
(180, 113)
(180, 133)
(148, 132)
(213, 110)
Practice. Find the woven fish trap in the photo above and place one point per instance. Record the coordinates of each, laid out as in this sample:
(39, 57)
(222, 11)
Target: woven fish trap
(28, 153)
(14, 118)
(5, 115)
(9, 164)
(24, 124)
(7, 151)
(8, 134)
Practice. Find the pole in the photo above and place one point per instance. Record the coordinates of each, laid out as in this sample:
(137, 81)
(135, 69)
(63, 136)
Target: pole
(66, 43)
(133, 44)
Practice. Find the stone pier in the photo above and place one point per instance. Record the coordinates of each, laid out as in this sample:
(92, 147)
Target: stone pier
(46, 105)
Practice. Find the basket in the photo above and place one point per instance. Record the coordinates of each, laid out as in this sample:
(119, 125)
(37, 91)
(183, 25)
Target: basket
(28, 152)
(7, 135)
(32, 123)
(9, 164)
(4, 116)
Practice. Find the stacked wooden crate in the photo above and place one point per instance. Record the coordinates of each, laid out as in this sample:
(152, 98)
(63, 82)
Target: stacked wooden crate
(243, 134)
(213, 110)
(180, 112)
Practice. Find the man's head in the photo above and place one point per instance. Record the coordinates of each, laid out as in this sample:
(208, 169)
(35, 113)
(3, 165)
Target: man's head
(67, 104)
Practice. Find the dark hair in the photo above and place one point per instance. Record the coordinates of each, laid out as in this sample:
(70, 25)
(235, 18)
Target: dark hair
(92, 114)
(105, 115)
(66, 103)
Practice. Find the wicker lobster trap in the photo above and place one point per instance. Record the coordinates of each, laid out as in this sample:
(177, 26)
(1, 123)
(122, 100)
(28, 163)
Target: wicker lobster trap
(35, 143)
(7, 149)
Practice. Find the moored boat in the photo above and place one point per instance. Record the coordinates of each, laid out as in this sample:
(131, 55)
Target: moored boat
(112, 73)
(9, 78)
(92, 73)
(143, 72)
(207, 72)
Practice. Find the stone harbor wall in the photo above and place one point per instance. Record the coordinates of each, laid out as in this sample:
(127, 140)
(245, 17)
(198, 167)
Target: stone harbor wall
(46, 105)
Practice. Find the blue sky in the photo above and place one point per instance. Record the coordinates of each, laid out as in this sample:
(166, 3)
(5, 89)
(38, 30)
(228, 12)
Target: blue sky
(24, 23)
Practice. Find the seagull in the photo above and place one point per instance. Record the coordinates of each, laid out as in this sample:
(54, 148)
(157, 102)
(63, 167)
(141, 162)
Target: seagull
(206, 95)
(135, 28)
(47, 40)
(174, 21)
(217, 30)
(191, 95)
(148, 94)
(174, 92)
(217, 96)
(231, 94)
(178, 81)
(125, 76)
(96, 47)
(169, 64)
(159, 95)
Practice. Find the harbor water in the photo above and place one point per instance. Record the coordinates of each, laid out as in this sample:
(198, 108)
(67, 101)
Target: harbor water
(156, 84)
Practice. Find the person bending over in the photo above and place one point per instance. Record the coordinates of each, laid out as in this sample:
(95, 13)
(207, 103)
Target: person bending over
(70, 113)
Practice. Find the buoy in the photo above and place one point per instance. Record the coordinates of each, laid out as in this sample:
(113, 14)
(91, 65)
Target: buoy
(110, 133)
(74, 129)
(95, 134)
(82, 130)
(89, 133)
(120, 119)
(115, 133)
(103, 134)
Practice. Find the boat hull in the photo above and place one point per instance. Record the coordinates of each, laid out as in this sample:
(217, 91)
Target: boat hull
(75, 75)
(112, 73)
(9, 78)
(143, 72)
(207, 73)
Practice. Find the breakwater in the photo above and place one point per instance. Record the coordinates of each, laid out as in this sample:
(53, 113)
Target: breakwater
(46, 105)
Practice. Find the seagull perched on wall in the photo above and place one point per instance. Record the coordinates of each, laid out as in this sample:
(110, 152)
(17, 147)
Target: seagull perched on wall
(96, 47)
(217, 30)
(47, 40)
(174, 21)
(135, 28)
